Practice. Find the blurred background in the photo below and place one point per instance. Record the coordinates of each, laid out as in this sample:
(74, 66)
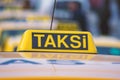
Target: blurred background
(100, 17)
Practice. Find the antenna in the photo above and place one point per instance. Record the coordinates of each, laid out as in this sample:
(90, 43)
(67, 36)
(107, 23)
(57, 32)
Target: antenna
(53, 15)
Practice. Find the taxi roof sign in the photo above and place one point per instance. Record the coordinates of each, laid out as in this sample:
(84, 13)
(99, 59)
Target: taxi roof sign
(57, 41)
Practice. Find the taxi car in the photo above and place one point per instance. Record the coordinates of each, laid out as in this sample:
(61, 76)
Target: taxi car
(45, 54)
(107, 45)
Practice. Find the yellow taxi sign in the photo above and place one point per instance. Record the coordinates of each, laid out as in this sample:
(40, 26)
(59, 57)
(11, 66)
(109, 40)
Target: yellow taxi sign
(57, 41)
